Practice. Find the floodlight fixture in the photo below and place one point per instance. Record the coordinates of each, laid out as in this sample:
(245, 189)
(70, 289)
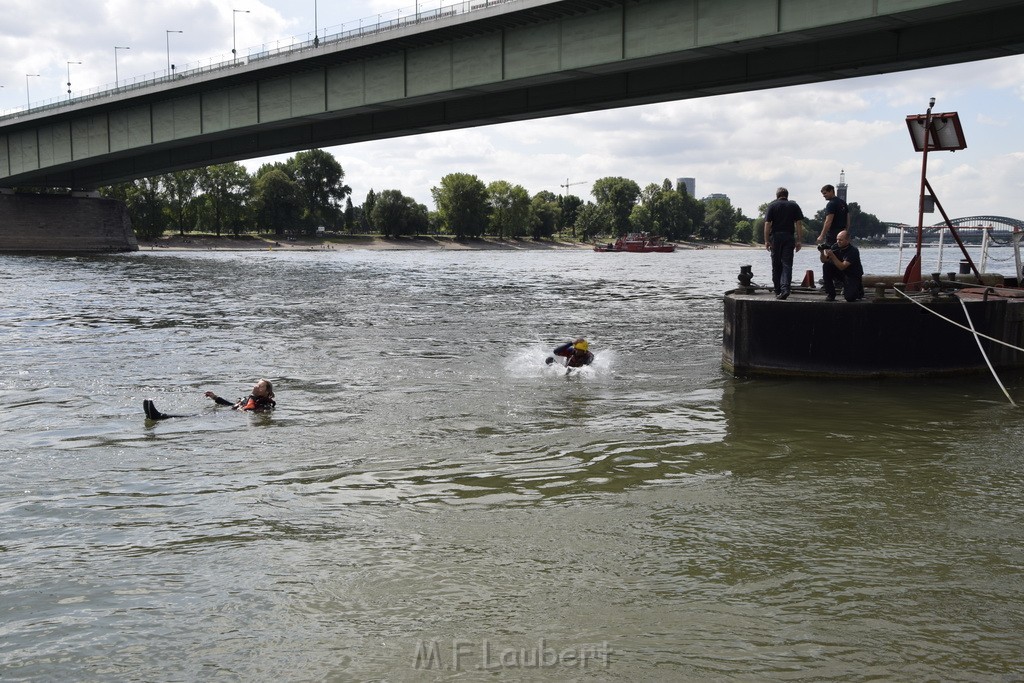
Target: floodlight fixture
(932, 132)
(945, 133)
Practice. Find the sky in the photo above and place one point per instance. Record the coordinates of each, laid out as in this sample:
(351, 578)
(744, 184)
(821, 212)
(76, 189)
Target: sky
(743, 145)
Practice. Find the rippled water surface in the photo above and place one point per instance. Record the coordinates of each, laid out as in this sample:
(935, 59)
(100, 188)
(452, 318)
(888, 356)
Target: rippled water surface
(430, 501)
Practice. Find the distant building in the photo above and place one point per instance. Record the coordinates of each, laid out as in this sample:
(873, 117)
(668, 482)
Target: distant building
(690, 184)
(716, 195)
(841, 187)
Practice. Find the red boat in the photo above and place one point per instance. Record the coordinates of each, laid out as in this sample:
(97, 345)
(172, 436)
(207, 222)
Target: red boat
(637, 242)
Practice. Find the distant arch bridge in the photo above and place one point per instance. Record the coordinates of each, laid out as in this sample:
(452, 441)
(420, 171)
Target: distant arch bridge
(971, 229)
(997, 223)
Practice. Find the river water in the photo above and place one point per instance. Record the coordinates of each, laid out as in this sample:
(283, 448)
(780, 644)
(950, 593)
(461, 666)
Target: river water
(431, 502)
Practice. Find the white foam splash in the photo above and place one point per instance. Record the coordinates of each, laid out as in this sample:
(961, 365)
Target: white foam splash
(531, 362)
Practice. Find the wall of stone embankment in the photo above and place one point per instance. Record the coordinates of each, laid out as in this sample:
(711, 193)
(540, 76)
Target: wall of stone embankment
(58, 223)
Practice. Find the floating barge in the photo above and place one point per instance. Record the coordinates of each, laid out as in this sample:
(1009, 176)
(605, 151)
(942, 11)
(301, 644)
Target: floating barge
(904, 327)
(886, 334)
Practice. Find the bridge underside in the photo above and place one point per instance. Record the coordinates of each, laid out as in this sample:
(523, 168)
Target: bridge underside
(930, 36)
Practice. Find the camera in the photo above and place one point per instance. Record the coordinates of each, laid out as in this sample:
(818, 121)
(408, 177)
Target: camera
(824, 247)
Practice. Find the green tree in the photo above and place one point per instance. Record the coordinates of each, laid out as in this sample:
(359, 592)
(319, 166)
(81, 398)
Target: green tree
(545, 214)
(864, 225)
(672, 218)
(759, 224)
(180, 190)
(321, 183)
(282, 166)
(419, 217)
(350, 215)
(667, 208)
(225, 189)
(693, 208)
(509, 205)
(276, 204)
(395, 215)
(570, 206)
(593, 220)
(461, 201)
(744, 232)
(367, 211)
(618, 195)
(640, 220)
(720, 219)
(146, 206)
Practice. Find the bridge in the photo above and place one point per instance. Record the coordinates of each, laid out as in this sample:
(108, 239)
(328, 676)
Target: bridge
(970, 228)
(482, 62)
(998, 224)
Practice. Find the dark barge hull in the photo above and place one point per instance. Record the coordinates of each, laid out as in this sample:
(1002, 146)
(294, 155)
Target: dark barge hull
(884, 336)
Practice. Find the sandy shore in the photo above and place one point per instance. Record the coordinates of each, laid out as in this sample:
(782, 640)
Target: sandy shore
(367, 242)
(376, 243)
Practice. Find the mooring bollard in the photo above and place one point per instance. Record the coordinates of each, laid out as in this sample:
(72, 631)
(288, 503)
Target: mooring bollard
(745, 277)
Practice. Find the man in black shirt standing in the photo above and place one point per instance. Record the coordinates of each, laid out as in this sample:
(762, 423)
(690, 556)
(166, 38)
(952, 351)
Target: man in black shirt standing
(783, 233)
(837, 216)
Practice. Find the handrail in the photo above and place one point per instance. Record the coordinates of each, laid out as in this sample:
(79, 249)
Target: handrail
(288, 46)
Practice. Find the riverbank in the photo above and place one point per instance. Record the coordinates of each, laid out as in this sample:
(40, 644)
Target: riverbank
(376, 243)
(366, 242)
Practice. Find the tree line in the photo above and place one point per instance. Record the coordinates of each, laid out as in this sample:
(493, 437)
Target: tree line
(307, 193)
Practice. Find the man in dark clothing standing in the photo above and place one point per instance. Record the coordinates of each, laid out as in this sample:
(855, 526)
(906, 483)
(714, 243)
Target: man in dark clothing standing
(842, 264)
(783, 233)
(837, 216)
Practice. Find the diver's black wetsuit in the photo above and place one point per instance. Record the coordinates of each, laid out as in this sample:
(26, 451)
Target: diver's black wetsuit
(573, 358)
(250, 402)
(152, 413)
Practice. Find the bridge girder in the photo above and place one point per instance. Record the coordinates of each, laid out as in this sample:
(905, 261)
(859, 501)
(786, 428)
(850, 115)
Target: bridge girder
(933, 35)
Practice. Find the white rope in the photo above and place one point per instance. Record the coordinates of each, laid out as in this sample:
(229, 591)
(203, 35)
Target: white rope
(962, 327)
(983, 354)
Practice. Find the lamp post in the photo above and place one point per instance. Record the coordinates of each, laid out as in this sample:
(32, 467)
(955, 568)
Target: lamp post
(69, 77)
(116, 48)
(316, 27)
(28, 98)
(234, 13)
(169, 50)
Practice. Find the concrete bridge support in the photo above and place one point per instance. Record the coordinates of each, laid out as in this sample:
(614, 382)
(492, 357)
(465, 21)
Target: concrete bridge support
(64, 223)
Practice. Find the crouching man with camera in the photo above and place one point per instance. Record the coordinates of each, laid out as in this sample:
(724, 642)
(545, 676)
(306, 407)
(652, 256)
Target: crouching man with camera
(841, 263)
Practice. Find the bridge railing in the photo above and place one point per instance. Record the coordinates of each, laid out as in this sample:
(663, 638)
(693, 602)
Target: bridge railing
(221, 65)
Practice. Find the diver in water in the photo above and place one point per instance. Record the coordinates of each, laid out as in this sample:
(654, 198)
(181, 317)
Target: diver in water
(576, 353)
(261, 399)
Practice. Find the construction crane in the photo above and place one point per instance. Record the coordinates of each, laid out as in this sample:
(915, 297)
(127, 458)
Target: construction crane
(567, 184)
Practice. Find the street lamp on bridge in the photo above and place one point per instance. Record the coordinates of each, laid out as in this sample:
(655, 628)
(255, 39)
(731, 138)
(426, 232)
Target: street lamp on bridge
(116, 48)
(169, 32)
(234, 13)
(28, 97)
(69, 77)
